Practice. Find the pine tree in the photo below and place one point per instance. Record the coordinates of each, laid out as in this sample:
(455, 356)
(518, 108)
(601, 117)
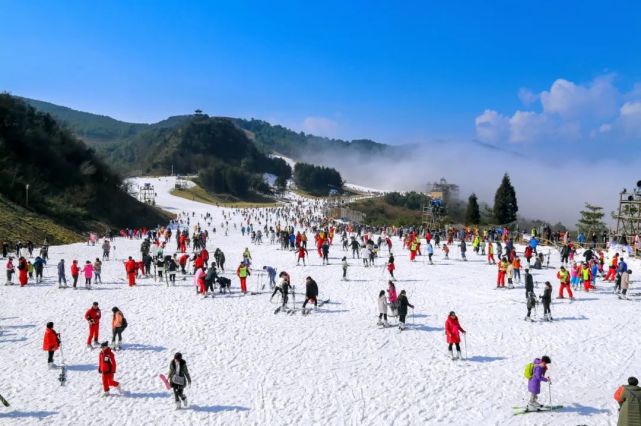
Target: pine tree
(505, 205)
(591, 220)
(472, 213)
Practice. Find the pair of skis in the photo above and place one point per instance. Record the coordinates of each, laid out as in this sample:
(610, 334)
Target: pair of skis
(543, 409)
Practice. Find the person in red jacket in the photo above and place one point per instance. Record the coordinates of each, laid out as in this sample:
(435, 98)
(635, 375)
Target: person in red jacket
(107, 367)
(198, 263)
(75, 272)
(182, 261)
(204, 255)
(182, 242)
(528, 254)
(51, 343)
(23, 269)
(452, 333)
(93, 318)
(130, 267)
(301, 255)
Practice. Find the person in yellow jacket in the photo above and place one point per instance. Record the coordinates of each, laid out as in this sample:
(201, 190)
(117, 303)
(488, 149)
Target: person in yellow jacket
(243, 273)
(500, 280)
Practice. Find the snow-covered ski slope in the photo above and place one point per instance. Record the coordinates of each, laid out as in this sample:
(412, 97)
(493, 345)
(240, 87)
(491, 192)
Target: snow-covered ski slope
(332, 367)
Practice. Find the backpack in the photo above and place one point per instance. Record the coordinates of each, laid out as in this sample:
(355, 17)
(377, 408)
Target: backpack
(528, 372)
(124, 322)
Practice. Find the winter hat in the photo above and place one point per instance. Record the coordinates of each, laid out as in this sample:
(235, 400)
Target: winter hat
(178, 356)
(452, 313)
(49, 324)
(629, 271)
(114, 309)
(104, 344)
(95, 303)
(402, 291)
(633, 381)
(546, 359)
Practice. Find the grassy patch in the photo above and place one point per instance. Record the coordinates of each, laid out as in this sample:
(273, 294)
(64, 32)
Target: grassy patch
(197, 193)
(378, 212)
(19, 224)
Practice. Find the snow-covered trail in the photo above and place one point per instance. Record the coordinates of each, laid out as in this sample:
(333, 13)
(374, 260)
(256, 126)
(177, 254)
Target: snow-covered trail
(335, 366)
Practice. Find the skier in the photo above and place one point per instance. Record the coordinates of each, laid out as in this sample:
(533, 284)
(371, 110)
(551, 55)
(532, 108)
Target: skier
(97, 270)
(502, 269)
(625, 283)
(22, 271)
(564, 278)
(271, 273)
(463, 246)
(106, 248)
(452, 332)
(130, 268)
(392, 297)
(93, 319)
(546, 299)
(51, 343)
(302, 251)
(382, 309)
(311, 292)
(199, 281)
(179, 377)
(118, 325)
(430, 252)
(536, 376)
(403, 303)
(38, 266)
(75, 273)
(61, 274)
(391, 266)
(325, 250)
(172, 266)
(107, 368)
(88, 271)
(210, 279)
(490, 253)
(446, 250)
(10, 271)
(629, 399)
(344, 265)
(243, 272)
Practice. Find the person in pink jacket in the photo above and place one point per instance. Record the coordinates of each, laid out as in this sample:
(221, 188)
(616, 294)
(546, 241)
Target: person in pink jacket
(453, 332)
(392, 297)
(88, 271)
(199, 280)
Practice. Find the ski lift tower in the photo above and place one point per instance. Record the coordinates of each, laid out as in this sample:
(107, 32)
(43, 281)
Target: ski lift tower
(629, 215)
(181, 183)
(147, 194)
(432, 214)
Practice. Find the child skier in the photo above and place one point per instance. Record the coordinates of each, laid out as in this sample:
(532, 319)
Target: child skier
(87, 270)
(382, 309)
(391, 267)
(345, 265)
(51, 343)
(179, 377)
(392, 297)
(452, 333)
(446, 250)
(311, 292)
(540, 367)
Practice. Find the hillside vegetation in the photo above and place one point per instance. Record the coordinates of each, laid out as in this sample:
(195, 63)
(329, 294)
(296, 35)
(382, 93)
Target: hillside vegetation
(67, 182)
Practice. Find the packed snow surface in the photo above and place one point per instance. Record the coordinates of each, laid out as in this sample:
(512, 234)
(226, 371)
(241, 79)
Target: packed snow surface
(332, 367)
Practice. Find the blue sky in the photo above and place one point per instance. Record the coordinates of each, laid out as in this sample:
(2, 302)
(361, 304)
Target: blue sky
(396, 72)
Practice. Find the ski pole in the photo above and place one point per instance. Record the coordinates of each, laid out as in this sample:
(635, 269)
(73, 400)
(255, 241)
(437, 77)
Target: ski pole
(550, 391)
(465, 343)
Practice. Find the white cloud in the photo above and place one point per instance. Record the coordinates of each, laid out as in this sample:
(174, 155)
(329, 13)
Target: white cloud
(320, 126)
(568, 112)
(492, 127)
(527, 96)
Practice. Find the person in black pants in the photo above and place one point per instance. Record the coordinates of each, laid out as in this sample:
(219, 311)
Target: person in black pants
(311, 292)
(403, 303)
(178, 378)
(547, 300)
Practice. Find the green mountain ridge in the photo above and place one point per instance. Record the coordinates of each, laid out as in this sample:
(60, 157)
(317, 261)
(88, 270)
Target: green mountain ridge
(110, 136)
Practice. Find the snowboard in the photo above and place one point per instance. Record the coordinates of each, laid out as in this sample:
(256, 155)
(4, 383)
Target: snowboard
(544, 408)
(165, 381)
(4, 401)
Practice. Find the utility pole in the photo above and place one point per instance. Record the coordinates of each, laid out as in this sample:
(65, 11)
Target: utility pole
(27, 195)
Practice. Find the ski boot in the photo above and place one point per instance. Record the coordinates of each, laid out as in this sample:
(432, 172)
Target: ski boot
(177, 405)
(379, 322)
(459, 355)
(451, 355)
(185, 403)
(385, 323)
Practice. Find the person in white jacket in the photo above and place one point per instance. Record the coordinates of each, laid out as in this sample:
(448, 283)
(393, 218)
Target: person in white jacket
(382, 309)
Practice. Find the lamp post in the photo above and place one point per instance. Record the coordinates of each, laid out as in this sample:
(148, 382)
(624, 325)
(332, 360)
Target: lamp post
(27, 195)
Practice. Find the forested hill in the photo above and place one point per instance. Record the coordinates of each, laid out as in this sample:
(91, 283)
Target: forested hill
(67, 181)
(109, 136)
